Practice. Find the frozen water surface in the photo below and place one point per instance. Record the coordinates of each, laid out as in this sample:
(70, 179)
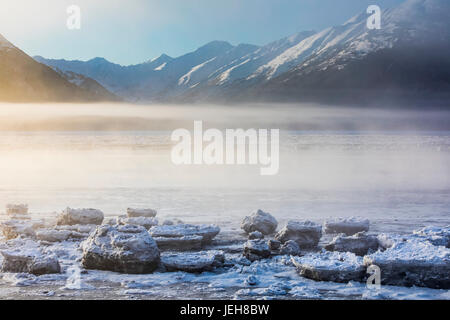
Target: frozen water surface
(400, 181)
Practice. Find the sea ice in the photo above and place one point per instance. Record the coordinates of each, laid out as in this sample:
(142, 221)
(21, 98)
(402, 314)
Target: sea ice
(146, 222)
(14, 228)
(290, 248)
(193, 261)
(256, 249)
(359, 244)
(207, 232)
(185, 243)
(80, 216)
(29, 260)
(126, 249)
(436, 235)
(259, 221)
(274, 244)
(255, 235)
(349, 226)
(53, 235)
(331, 266)
(413, 262)
(13, 209)
(306, 233)
(133, 213)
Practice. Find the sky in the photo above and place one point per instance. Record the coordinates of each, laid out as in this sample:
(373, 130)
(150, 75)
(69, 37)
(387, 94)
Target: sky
(133, 31)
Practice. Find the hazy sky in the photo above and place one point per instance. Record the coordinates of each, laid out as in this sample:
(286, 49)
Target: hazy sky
(133, 31)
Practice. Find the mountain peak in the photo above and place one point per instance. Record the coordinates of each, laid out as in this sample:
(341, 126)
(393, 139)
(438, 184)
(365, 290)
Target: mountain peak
(216, 45)
(161, 59)
(164, 56)
(99, 60)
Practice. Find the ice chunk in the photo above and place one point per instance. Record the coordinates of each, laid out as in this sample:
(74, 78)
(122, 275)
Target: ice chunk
(413, 262)
(14, 228)
(193, 261)
(146, 222)
(126, 249)
(53, 235)
(255, 235)
(349, 226)
(439, 236)
(290, 248)
(306, 233)
(180, 243)
(256, 249)
(207, 232)
(29, 260)
(331, 266)
(359, 244)
(13, 209)
(274, 244)
(80, 216)
(259, 221)
(149, 213)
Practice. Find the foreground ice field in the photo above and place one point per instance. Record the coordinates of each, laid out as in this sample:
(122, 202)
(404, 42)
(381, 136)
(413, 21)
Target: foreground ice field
(216, 270)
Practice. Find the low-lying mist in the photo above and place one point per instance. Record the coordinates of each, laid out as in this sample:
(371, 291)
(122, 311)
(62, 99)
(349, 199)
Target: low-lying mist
(132, 117)
(321, 147)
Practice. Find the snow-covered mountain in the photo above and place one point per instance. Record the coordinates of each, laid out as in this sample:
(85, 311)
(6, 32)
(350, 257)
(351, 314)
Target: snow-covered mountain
(24, 79)
(158, 78)
(351, 60)
(413, 21)
(410, 53)
(217, 63)
(288, 66)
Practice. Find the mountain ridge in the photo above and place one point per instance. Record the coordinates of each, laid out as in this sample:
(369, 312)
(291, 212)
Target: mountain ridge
(298, 67)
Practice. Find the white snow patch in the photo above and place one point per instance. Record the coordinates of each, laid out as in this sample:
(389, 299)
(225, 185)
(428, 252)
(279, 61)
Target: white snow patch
(160, 67)
(290, 54)
(223, 77)
(414, 250)
(335, 260)
(187, 77)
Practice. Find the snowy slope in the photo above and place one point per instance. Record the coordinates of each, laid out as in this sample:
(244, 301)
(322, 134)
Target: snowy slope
(353, 40)
(408, 59)
(353, 34)
(282, 64)
(246, 65)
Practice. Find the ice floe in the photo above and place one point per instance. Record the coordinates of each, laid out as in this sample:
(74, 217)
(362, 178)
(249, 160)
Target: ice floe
(259, 221)
(413, 262)
(80, 216)
(127, 249)
(359, 244)
(306, 233)
(133, 213)
(349, 226)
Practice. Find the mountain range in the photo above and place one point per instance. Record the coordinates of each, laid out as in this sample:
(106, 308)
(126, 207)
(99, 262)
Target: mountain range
(407, 59)
(22, 79)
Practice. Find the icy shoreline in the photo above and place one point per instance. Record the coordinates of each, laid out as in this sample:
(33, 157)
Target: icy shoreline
(220, 270)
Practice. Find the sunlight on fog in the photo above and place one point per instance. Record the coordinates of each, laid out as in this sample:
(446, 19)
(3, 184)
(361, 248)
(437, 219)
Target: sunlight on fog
(69, 153)
(132, 117)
